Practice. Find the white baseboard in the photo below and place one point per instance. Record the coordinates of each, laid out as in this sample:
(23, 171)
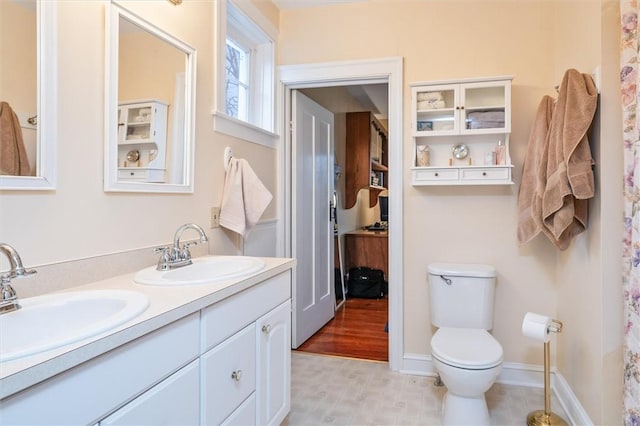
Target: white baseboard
(572, 407)
(514, 373)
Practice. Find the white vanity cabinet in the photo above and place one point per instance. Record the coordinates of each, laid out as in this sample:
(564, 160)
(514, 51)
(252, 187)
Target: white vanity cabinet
(246, 360)
(91, 391)
(226, 363)
(142, 140)
(456, 126)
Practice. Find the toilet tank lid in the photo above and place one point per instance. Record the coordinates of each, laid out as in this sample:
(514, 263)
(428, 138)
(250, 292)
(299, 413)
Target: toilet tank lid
(462, 270)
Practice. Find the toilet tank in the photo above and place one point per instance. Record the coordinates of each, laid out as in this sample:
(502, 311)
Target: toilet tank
(461, 295)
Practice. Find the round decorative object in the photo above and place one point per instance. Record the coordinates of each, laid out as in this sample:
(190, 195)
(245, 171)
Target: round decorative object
(133, 155)
(460, 151)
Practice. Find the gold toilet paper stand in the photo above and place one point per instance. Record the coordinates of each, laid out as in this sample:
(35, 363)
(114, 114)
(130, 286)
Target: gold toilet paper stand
(546, 417)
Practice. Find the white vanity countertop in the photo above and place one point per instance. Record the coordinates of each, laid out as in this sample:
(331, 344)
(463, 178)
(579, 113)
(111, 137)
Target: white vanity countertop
(166, 305)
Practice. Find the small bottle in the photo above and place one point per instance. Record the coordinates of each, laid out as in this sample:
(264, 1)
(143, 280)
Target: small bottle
(501, 153)
(423, 155)
(490, 158)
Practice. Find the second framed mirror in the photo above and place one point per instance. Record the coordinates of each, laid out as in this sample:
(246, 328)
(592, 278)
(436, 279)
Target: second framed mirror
(149, 139)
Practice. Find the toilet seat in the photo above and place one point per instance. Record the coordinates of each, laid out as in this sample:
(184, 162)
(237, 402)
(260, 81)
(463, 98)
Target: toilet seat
(467, 348)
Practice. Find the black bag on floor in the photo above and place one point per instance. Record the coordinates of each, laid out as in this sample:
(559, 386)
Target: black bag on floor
(338, 283)
(365, 283)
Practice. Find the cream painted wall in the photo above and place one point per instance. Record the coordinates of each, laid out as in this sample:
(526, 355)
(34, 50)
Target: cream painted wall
(445, 223)
(79, 220)
(590, 292)
(535, 42)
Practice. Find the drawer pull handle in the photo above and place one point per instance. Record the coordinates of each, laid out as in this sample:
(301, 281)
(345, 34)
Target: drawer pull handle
(236, 375)
(266, 328)
(484, 173)
(436, 174)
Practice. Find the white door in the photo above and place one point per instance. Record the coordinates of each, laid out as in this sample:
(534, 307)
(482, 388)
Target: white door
(312, 240)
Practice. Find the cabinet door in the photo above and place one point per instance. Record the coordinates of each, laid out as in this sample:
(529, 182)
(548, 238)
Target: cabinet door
(486, 107)
(436, 108)
(173, 401)
(274, 365)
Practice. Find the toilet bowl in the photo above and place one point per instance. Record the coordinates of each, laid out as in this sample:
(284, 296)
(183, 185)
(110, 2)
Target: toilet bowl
(468, 361)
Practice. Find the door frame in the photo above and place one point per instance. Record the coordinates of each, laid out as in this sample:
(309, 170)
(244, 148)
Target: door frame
(344, 73)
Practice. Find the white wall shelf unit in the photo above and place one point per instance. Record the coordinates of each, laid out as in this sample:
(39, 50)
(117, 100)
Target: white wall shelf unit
(461, 131)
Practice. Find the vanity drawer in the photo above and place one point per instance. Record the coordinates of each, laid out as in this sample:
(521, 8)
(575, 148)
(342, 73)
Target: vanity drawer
(228, 375)
(159, 405)
(244, 415)
(223, 319)
(488, 173)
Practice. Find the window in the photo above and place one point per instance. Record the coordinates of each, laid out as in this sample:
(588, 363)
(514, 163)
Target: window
(237, 81)
(246, 78)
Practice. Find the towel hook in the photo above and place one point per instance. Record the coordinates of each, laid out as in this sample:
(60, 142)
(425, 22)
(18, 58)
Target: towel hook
(228, 154)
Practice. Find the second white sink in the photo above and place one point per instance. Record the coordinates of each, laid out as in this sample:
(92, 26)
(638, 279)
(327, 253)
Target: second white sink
(204, 270)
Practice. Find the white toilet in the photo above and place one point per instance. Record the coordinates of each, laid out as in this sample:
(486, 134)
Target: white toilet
(465, 355)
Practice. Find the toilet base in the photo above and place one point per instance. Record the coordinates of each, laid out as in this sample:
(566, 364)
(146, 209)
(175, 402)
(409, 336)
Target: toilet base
(462, 410)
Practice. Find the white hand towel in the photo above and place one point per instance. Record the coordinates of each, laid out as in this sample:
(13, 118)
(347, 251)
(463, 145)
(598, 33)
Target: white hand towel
(244, 197)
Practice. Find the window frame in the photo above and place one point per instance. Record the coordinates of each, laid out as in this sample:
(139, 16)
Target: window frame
(248, 26)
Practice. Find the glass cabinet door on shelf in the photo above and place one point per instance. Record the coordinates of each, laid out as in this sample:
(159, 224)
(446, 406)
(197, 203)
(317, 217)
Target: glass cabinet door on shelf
(139, 123)
(435, 108)
(485, 107)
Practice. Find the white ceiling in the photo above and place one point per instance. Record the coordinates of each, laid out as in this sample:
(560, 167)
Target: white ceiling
(292, 4)
(353, 98)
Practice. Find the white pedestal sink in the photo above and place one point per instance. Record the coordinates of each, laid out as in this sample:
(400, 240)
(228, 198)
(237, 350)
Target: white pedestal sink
(204, 270)
(53, 320)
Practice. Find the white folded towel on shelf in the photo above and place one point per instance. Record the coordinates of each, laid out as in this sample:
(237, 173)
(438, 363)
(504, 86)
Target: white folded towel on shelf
(433, 104)
(244, 197)
(430, 96)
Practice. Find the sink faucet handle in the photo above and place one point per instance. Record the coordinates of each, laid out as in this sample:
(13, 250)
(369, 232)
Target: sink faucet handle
(185, 254)
(8, 293)
(165, 253)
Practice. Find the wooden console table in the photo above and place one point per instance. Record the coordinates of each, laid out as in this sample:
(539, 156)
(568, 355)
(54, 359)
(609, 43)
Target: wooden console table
(367, 248)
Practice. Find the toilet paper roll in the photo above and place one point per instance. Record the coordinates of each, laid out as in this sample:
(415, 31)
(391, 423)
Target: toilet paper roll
(536, 326)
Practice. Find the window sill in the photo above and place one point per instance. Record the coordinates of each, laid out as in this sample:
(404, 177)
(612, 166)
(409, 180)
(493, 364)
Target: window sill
(222, 123)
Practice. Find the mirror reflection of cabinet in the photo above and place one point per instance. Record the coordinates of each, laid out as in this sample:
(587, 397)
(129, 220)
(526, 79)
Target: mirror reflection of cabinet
(366, 157)
(142, 141)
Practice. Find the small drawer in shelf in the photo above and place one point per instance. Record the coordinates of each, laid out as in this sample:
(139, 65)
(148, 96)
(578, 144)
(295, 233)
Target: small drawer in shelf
(464, 175)
(135, 173)
(434, 174)
(485, 173)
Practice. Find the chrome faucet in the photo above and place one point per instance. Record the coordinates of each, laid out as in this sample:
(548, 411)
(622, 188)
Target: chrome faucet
(172, 257)
(8, 296)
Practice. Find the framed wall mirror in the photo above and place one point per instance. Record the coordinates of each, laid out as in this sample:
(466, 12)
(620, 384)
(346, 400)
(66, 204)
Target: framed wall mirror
(150, 94)
(28, 95)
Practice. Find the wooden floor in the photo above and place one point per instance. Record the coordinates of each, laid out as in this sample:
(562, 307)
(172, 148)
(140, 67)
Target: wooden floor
(357, 331)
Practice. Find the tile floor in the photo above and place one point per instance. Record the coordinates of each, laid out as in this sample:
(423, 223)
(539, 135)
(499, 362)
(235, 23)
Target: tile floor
(342, 391)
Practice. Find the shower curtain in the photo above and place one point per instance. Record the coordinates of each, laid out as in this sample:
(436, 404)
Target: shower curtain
(630, 83)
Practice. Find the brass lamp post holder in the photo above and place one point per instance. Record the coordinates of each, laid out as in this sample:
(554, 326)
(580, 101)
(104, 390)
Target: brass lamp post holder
(546, 417)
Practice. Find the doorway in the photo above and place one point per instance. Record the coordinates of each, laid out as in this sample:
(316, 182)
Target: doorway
(383, 71)
(359, 327)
